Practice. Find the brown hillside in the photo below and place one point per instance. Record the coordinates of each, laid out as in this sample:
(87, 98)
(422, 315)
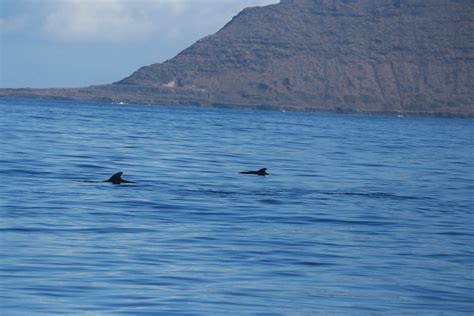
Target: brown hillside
(368, 56)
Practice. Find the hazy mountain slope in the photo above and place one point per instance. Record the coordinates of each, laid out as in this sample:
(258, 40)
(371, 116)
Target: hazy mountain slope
(410, 56)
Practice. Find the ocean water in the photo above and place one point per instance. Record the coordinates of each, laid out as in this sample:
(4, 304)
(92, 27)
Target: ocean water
(359, 215)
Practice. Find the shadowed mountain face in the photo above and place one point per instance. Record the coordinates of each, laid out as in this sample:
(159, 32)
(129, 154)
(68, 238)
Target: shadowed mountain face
(367, 56)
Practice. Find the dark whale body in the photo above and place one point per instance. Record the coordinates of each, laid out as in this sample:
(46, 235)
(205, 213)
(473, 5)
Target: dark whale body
(261, 172)
(117, 179)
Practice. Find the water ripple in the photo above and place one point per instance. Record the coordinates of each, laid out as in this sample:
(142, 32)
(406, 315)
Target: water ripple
(360, 215)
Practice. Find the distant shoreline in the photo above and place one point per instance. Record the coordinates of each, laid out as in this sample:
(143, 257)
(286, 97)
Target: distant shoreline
(312, 56)
(245, 107)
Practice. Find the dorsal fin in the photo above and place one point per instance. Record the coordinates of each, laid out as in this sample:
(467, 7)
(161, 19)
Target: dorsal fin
(261, 172)
(117, 179)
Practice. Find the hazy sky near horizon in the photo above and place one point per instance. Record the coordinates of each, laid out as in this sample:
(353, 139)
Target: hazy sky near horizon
(73, 43)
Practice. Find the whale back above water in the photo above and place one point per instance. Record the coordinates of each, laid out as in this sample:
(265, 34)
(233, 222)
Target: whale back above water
(117, 179)
(261, 172)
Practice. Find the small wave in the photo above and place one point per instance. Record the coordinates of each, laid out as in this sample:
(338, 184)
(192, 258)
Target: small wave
(24, 172)
(104, 230)
(89, 166)
(217, 192)
(294, 193)
(314, 264)
(457, 233)
(271, 201)
(377, 195)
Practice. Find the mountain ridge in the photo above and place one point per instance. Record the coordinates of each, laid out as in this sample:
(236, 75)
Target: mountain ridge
(354, 56)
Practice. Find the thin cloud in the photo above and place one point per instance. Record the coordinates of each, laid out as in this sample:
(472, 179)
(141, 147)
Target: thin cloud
(90, 20)
(12, 24)
(132, 20)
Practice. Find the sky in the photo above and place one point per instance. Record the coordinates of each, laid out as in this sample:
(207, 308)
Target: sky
(77, 43)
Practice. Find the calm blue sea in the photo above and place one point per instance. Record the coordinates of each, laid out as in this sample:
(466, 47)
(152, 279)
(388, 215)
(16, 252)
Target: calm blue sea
(360, 215)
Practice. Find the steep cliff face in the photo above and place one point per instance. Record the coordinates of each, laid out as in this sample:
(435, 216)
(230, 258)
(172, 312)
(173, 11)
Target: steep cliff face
(410, 56)
(351, 55)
